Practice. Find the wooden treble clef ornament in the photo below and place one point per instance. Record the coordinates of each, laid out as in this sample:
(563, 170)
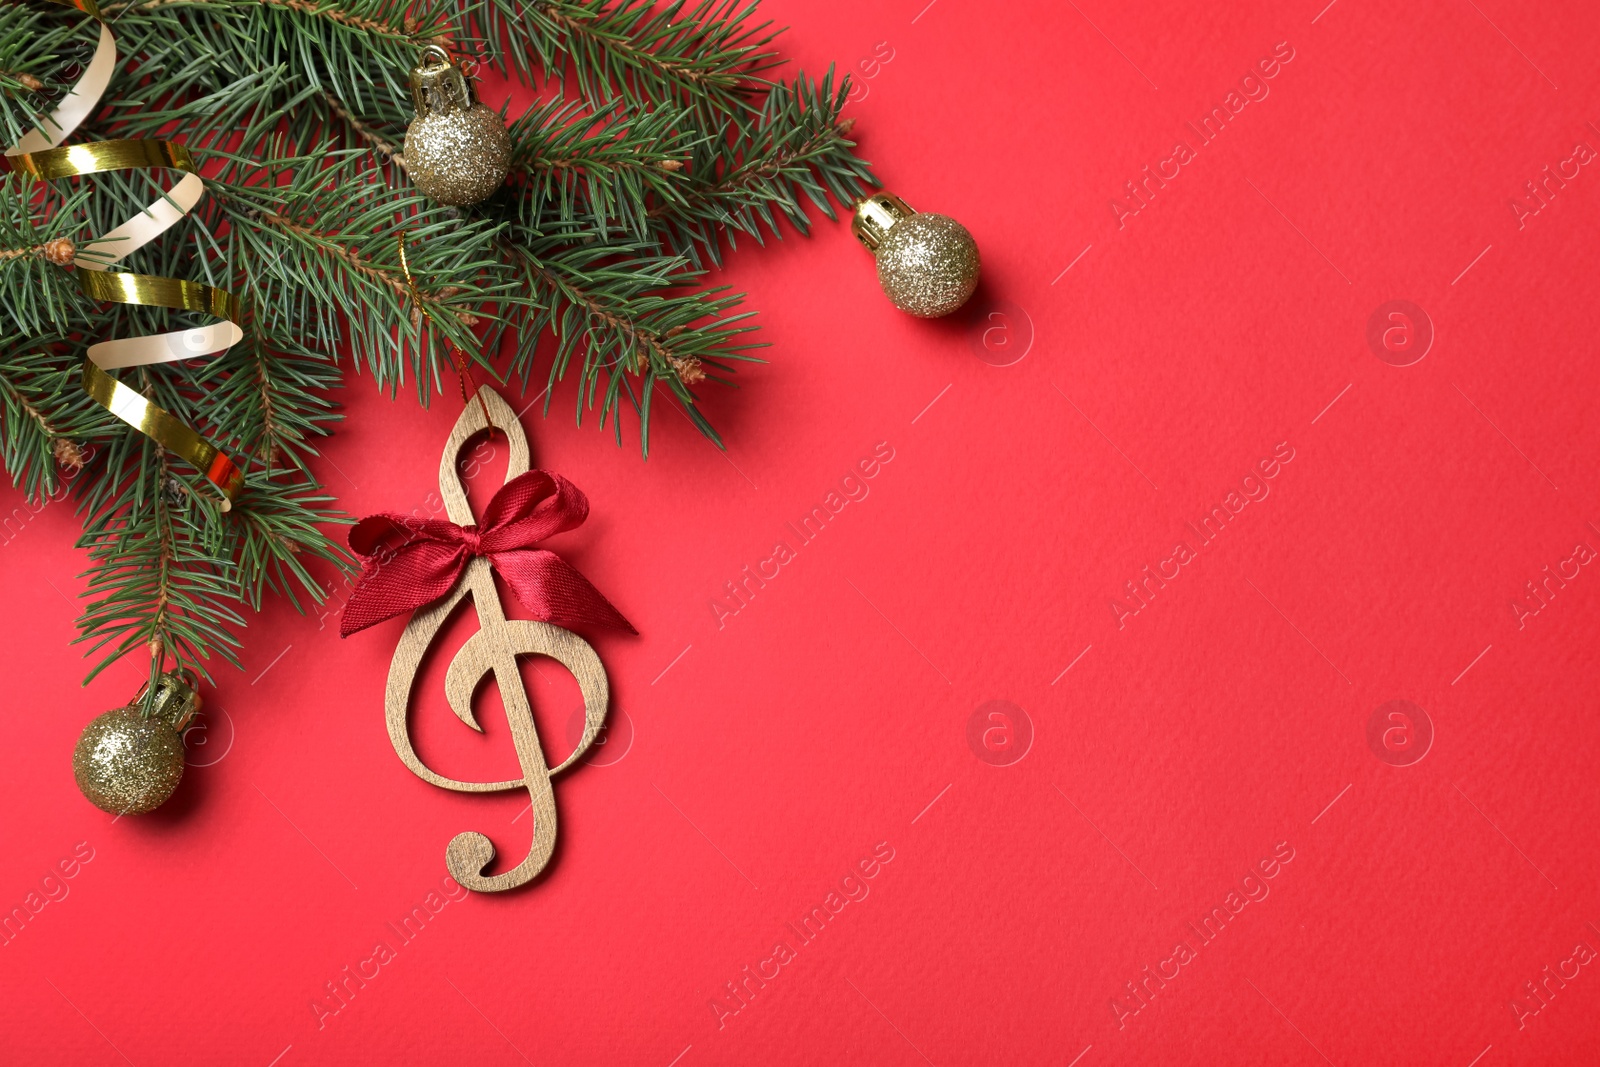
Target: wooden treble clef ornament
(499, 641)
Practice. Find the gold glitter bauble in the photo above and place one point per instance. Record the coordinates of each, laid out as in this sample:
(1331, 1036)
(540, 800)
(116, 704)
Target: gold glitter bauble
(457, 152)
(126, 763)
(458, 158)
(928, 264)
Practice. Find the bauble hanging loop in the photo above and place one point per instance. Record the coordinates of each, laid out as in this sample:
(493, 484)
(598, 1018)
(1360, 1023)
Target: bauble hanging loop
(928, 264)
(129, 760)
(457, 152)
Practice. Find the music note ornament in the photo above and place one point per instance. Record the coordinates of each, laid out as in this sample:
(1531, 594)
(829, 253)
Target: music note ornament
(430, 565)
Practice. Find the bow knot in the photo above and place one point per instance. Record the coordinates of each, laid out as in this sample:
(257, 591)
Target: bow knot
(407, 563)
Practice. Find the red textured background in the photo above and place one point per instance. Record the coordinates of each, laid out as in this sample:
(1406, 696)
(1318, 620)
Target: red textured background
(771, 753)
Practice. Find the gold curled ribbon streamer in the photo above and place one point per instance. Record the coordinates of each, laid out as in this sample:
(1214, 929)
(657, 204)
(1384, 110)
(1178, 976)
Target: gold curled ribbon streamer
(40, 154)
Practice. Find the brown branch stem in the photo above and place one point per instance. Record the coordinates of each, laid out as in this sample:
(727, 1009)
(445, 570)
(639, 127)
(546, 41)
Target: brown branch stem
(746, 174)
(306, 7)
(365, 132)
(688, 368)
(361, 265)
(643, 56)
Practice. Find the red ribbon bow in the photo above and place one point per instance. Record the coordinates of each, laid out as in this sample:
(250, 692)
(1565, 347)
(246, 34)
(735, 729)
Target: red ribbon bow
(431, 554)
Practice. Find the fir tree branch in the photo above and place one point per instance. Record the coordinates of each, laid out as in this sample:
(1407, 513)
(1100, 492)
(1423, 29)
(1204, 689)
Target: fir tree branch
(155, 584)
(37, 47)
(600, 165)
(606, 305)
(60, 251)
(705, 57)
(272, 395)
(379, 19)
(667, 140)
(280, 528)
(796, 153)
(385, 149)
(45, 419)
(37, 224)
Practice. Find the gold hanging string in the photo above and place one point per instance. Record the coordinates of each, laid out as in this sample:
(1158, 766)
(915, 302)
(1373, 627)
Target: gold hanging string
(458, 357)
(40, 154)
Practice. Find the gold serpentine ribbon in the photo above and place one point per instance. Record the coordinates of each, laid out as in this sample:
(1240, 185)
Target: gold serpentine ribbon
(39, 154)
